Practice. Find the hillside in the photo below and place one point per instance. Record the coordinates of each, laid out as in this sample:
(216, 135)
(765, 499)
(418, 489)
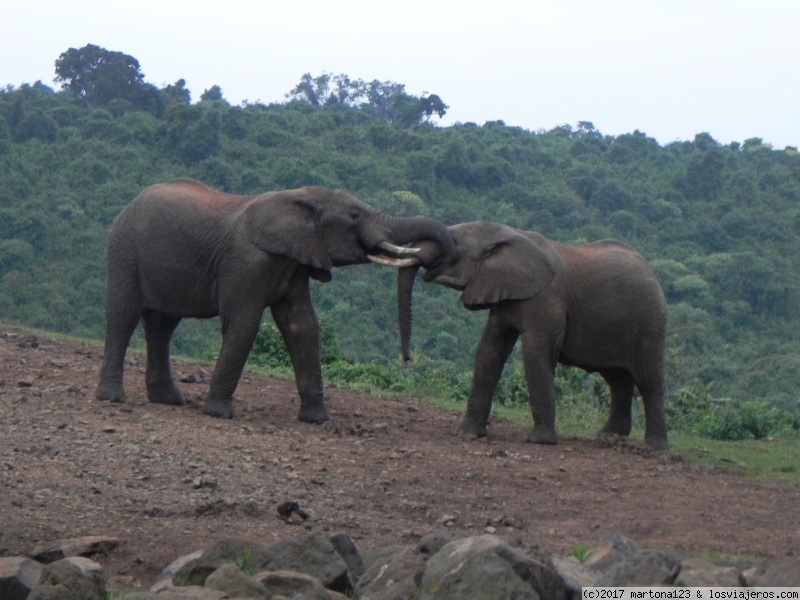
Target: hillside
(720, 224)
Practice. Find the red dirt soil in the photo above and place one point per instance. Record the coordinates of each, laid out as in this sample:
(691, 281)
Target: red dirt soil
(167, 481)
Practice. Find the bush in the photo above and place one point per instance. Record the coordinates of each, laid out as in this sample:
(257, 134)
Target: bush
(721, 424)
(269, 349)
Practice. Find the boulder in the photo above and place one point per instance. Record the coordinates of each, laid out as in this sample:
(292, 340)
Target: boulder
(450, 560)
(83, 546)
(392, 577)
(18, 576)
(312, 554)
(230, 579)
(701, 572)
(64, 580)
(295, 585)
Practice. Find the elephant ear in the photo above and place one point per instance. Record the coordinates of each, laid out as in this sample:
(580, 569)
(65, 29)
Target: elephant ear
(288, 224)
(514, 268)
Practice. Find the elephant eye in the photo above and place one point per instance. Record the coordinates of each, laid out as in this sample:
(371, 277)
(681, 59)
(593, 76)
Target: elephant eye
(355, 216)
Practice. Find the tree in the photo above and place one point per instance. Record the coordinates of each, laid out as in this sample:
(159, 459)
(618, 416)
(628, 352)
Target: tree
(384, 99)
(212, 93)
(96, 76)
(178, 92)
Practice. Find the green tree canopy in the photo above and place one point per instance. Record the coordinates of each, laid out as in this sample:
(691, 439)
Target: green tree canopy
(96, 76)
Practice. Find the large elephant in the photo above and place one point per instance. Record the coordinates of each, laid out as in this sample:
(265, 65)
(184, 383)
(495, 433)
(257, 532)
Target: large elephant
(595, 306)
(181, 249)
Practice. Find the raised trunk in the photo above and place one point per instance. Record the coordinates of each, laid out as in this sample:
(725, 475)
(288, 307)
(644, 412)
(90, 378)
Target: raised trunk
(407, 230)
(405, 289)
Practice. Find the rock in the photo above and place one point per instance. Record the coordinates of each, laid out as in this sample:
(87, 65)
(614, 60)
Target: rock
(574, 575)
(196, 571)
(702, 572)
(294, 585)
(63, 580)
(18, 576)
(169, 572)
(784, 572)
(191, 592)
(433, 542)
(312, 554)
(230, 579)
(445, 564)
(84, 546)
(452, 557)
(610, 552)
(648, 568)
(347, 550)
(477, 577)
(89, 568)
(393, 577)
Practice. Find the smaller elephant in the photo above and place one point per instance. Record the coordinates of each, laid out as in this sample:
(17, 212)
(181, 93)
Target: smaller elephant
(596, 306)
(183, 250)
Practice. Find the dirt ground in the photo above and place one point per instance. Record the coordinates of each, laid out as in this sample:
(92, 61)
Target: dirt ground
(167, 481)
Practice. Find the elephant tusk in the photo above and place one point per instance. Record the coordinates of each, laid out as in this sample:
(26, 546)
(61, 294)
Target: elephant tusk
(393, 262)
(397, 250)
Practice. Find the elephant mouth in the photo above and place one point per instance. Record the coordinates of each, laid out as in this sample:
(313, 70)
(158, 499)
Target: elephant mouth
(395, 256)
(447, 281)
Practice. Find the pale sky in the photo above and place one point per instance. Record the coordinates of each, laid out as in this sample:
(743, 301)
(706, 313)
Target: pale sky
(669, 68)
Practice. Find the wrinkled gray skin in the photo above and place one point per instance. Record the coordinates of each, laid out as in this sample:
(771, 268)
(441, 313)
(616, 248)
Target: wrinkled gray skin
(181, 249)
(597, 306)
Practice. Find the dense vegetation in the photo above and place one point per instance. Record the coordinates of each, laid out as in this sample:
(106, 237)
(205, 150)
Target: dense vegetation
(719, 223)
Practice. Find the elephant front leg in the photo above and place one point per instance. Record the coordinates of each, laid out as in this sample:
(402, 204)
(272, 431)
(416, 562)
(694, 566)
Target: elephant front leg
(297, 322)
(238, 335)
(495, 346)
(540, 377)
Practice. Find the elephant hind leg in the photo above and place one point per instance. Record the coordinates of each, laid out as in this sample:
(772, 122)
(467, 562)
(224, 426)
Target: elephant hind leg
(123, 312)
(621, 384)
(655, 428)
(158, 329)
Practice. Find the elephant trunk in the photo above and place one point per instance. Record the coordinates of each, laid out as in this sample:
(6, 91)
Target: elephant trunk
(405, 288)
(409, 230)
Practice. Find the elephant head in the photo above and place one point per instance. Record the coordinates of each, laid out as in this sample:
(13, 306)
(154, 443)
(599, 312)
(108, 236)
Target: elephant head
(492, 263)
(324, 228)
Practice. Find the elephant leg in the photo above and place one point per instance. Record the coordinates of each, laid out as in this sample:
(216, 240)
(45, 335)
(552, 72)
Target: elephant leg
(158, 330)
(655, 417)
(122, 315)
(621, 384)
(295, 317)
(496, 344)
(239, 329)
(540, 377)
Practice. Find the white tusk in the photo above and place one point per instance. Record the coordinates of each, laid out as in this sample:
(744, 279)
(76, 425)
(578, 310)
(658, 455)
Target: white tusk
(397, 250)
(393, 262)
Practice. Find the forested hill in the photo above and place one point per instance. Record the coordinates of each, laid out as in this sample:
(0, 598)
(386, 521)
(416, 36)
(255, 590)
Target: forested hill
(719, 223)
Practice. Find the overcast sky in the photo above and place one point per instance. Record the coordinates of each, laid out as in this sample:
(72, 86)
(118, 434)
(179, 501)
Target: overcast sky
(669, 68)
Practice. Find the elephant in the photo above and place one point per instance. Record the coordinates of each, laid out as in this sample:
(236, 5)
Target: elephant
(596, 306)
(181, 249)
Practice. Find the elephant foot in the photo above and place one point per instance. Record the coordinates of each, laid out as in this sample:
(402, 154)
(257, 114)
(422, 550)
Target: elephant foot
(316, 413)
(656, 442)
(165, 394)
(542, 436)
(615, 428)
(471, 430)
(110, 392)
(218, 408)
